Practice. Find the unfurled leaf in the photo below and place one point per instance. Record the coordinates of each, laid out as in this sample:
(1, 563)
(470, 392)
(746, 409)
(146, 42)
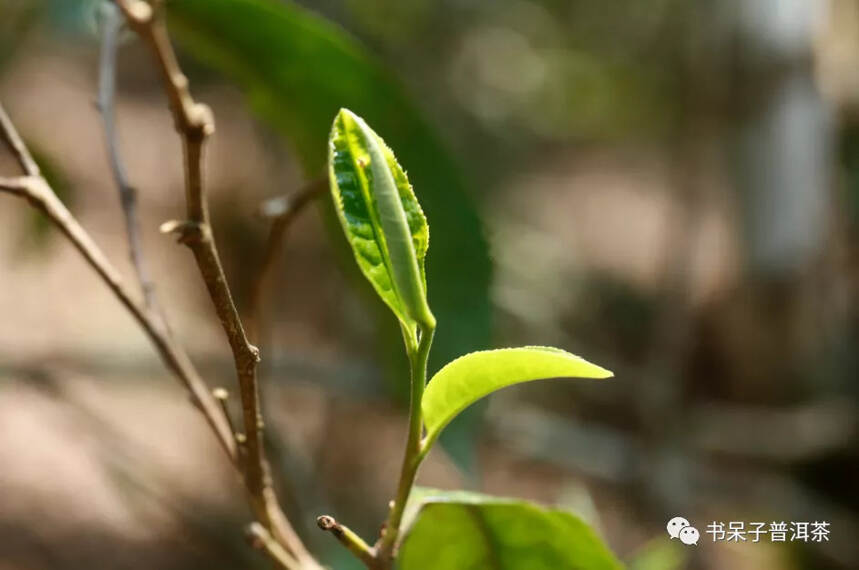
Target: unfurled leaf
(468, 378)
(381, 217)
(470, 530)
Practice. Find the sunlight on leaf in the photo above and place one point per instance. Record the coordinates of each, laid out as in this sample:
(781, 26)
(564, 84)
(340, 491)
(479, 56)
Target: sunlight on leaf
(470, 377)
(381, 217)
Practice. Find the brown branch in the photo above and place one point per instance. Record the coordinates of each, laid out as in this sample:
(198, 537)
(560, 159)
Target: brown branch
(16, 143)
(40, 195)
(111, 27)
(36, 190)
(261, 539)
(17, 186)
(194, 123)
(282, 211)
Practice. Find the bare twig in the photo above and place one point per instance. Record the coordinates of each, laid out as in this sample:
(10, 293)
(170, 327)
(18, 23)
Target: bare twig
(261, 539)
(16, 143)
(111, 26)
(282, 211)
(223, 398)
(194, 123)
(354, 543)
(36, 190)
(17, 186)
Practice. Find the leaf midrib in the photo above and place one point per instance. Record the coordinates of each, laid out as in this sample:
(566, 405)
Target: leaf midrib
(364, 187)
(476, 515)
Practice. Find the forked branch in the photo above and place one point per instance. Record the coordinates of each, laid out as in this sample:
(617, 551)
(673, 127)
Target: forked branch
(35, 189)
(194, 123)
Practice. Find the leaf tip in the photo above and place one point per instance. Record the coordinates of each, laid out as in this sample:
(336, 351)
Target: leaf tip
(344, 112)
(599, 373)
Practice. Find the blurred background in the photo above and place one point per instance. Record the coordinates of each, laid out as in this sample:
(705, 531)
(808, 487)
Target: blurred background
(668, 188)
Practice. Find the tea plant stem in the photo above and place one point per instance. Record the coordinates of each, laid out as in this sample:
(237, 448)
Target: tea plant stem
(111, 27)
(354, 543)
(412, 458)
(194, 123)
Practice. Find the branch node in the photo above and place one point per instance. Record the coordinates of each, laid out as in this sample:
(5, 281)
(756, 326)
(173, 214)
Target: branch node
(203, 119)
(139, 11)
(256, 534)
(327, 522)
(186, 231)
(222, 396)
(170, 226)
(275, 207)
(254, 350)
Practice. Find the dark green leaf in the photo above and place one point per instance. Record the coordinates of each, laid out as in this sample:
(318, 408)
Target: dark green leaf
(470, 531)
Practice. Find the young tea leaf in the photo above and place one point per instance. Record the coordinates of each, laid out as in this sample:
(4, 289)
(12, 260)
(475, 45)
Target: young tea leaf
(470, 530)
(381, 217)
(468, 378)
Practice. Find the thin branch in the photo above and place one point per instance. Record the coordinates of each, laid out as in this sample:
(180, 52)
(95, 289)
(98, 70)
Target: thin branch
(282, 211)
(37, 191)
(261, 539)
(17, 186)
(16, 143)
(111, 27)
(345, 536)
(194, 123)
(223, 397)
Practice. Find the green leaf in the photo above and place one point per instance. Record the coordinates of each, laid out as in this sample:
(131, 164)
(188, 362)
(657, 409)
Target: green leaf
(659, 554)
(381, 217)
(470, 377)
(476, 532)
(297, 70)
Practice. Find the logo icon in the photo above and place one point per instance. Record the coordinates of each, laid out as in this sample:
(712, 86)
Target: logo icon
(689, 535)
(679, 527)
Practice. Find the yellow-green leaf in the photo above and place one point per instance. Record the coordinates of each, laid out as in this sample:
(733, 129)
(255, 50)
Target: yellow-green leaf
(468, 378)
(381, 217)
